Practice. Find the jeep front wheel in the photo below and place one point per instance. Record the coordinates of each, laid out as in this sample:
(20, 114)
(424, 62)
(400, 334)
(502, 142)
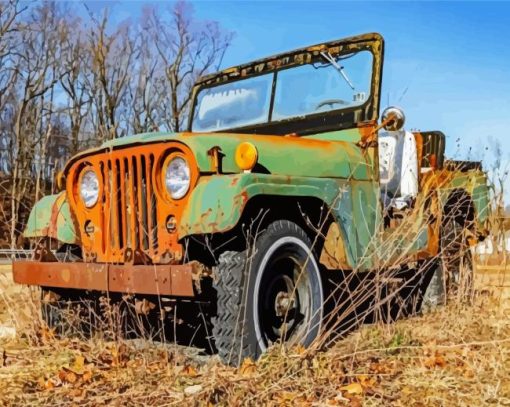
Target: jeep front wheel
(269, 294)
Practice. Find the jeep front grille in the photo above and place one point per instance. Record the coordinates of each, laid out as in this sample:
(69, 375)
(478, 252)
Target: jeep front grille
(130, 198)
(128, 223)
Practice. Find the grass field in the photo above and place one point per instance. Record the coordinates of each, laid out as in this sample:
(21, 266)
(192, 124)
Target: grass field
(455, 356)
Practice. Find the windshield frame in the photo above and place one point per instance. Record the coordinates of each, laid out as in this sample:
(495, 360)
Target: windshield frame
(334, 119)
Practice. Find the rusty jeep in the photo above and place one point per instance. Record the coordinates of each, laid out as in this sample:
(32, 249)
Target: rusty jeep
(287, 175)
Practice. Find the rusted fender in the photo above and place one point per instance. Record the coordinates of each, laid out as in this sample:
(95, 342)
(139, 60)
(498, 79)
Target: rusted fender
(218, 201)
(51, 217)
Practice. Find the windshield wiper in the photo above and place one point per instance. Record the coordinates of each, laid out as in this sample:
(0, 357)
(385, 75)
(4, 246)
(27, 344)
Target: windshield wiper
(327, 56)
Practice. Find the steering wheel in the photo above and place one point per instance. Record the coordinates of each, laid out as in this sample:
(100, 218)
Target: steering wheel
(331, 102)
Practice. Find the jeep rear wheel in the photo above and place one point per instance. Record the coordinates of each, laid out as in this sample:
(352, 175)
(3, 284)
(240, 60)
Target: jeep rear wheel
(453, 275)
(457, 260)
(270, 294)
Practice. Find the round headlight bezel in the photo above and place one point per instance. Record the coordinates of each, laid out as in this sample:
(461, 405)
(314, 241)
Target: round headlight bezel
(83, 173)
(166, 165)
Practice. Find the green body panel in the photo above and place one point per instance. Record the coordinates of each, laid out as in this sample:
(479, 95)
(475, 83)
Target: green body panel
(218, 201)
(51, 217)
(310, 157)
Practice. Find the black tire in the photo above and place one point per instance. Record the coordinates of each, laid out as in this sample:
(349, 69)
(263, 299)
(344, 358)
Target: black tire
(453, 274)
(435, 291)
(408, 292)
(247, 322)
(456, 260)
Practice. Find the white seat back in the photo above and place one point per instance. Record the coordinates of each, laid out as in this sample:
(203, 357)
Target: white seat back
(398, 164)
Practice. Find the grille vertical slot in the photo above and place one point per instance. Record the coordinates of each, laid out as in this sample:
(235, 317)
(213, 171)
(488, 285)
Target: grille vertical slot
(142, 203)
(129, 205)
(153, 209)
(118, 203)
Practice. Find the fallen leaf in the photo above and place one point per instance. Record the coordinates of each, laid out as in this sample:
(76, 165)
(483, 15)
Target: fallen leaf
(353, 388)
(434, 361)
(47, 334)
(49, 385)
(367, 382)
(79, 361)
(300, 349)
(71, 377)
(284, 397)
(355, 402)
(407, 390)
(382, 368)
(79, 364)
(87, 376)
(190, 390)
(189, 371)
(248, 367)
(77, 393)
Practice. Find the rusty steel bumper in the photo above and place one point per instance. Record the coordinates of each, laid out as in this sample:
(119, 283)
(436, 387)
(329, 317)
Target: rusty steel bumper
(175, 280)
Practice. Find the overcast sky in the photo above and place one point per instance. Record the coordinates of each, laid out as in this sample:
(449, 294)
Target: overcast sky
(447, 64)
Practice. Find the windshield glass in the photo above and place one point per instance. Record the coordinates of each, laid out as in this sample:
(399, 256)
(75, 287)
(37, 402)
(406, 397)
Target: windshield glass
(234, 104)
(327, 84)
(323, 86)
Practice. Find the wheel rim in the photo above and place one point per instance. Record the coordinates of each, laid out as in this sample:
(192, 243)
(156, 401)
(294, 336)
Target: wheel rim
(284, 299)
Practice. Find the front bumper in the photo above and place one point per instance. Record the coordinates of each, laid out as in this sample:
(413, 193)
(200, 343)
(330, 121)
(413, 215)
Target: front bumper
(172, 280)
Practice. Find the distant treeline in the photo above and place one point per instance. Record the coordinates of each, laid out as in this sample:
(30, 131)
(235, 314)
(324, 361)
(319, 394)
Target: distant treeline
(69, 82)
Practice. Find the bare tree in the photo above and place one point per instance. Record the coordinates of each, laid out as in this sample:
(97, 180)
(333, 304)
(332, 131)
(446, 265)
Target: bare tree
(112, 56)
(146, 92)
(10, 13)
(38, 69)
(9, 25)
(76, 61)
(188, 49)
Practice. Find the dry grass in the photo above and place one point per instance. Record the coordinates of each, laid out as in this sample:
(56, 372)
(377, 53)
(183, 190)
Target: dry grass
(457, 355)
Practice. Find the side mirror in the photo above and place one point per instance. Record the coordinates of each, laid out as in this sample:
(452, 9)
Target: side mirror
(393, 118)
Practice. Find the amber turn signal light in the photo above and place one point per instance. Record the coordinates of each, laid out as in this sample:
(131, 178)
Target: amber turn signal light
(246, 156)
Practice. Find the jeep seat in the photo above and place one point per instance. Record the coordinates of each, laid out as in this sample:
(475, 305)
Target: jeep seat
(398, 168)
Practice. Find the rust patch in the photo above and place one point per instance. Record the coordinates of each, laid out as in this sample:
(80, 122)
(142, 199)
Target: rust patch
(174, 280)
(86, 276)
(144, 307)
(368, 131)
(160, 280)
(215, 155)
(333, 254)
(198, 272)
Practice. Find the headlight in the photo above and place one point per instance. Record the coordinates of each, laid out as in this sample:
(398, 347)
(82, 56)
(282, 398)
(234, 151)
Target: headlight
(89, 188)
(177, 177)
